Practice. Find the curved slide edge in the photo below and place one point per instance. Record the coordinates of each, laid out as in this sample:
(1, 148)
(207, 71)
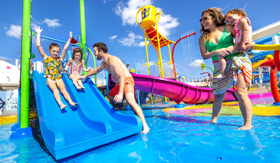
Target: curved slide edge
(182, 92)
(177, 91)
(104, 111)
(61, 132)
(267, 47)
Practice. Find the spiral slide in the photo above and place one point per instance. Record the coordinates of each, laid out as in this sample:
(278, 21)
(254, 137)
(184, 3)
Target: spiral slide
(182, 92)
(177, 91)
(95, 122)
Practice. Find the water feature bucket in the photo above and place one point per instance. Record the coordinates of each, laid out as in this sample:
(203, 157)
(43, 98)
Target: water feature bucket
(149, 13)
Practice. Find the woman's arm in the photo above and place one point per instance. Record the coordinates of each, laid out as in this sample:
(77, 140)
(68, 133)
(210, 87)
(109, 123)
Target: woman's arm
(208, 55)
(63, 54)
(38, 30)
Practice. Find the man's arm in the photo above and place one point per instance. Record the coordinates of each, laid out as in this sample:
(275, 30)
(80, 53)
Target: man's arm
(84, 67)
(63, 54)
(38, 30)
(94, 71)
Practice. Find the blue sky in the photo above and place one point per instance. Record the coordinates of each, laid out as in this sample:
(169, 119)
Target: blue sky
(113, 22)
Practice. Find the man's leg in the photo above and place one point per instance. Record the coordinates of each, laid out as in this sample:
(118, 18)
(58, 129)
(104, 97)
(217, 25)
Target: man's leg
(137, 110)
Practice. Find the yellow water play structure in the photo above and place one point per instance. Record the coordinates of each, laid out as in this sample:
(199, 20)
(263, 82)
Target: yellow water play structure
(258, 63)
(267, 47)
(149, 25)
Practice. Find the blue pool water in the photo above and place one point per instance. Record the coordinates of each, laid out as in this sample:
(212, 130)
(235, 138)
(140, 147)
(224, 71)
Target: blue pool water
(172, 139)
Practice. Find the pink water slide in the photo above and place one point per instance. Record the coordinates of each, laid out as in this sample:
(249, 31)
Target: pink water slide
(180, 92)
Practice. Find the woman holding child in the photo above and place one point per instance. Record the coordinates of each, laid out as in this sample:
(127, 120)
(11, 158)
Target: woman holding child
(217, 41)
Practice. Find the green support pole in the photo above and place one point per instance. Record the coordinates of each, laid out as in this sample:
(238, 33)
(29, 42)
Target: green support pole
(83, 31)
(94, 64)
(25, 64)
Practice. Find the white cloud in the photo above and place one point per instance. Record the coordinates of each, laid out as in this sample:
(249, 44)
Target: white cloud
(52, 22)
(141, 44)
(128, 11)
(132, 40)
(113, 37)
(196, 63)
(166, 24)
(14, 31)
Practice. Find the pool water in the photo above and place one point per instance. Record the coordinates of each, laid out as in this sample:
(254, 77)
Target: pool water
(173, 138)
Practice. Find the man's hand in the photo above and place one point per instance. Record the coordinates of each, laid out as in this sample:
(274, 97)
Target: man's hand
(82, 78)
(118, 98)
(70, 35)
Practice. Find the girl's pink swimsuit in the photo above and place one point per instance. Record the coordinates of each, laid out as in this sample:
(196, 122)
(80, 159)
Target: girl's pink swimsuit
(75, 68)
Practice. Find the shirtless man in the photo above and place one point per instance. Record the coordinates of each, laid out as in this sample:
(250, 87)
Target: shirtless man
(124, 80)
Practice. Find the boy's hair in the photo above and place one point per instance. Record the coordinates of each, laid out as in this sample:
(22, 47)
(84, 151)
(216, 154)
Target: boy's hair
(53, 44)
(101, 46)
(237, 11)
(218, 18)
(77, 50)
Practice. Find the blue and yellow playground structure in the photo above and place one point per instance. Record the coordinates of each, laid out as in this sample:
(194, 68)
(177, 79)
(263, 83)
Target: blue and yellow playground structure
(78, 130)
(96, 123)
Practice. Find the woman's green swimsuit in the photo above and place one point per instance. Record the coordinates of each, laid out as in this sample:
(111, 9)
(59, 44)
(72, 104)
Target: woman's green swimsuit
(224, 42)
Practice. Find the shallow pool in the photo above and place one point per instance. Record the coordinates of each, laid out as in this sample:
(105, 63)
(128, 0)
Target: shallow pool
(173, 138)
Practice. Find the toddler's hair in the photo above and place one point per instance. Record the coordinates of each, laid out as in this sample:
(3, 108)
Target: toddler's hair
(237, 11)
(101, 46)
(53, 44)
(77, 50)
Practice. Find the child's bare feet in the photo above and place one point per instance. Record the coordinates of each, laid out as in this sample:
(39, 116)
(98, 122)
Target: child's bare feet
(145, 130)
(82, 87)
(73, 103)
(62, 106)
(246, 127)
(78, 87)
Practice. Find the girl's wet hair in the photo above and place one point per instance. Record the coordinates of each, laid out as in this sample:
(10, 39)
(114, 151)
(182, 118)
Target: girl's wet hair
(77, 50)
(53, 44)
(237, 12)
(217, 17)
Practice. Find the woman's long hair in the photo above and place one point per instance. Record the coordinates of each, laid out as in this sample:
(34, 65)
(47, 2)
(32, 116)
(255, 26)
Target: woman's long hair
(218, 18)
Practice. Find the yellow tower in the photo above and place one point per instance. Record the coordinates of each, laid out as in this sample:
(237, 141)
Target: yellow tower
(149, 25)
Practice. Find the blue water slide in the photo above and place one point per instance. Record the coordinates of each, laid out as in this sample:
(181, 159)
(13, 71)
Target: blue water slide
(260, 55)
(93, 123)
